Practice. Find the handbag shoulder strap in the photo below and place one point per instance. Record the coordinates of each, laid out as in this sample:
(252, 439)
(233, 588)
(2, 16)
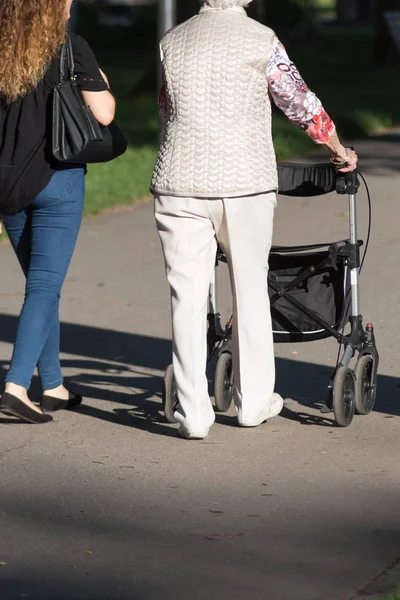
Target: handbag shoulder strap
(71, 62)
(67, 63)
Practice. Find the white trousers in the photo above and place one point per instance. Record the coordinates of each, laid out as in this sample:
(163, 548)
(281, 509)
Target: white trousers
(189, 229)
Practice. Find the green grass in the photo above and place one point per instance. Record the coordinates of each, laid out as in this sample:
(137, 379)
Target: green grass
(318, 4)
(123, 56)
(359, 96)
(336, 64)
(393, 596)
(128, 177)
(319, 7)
(324, 5)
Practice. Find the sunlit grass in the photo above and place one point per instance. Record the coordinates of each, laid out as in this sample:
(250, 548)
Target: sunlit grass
(393, 596)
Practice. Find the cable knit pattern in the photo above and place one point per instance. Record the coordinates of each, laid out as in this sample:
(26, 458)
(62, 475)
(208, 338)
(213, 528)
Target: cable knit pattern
(217, 139)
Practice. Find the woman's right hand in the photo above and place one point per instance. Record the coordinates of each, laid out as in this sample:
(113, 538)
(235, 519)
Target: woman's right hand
(347, 156)
(345, 159)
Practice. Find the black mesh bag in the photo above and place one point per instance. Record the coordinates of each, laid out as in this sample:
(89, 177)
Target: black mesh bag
(325, 291)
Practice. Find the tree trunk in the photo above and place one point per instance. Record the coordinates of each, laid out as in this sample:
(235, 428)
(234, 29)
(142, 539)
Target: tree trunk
(366, 9)
(186, 9)
(347, 10)
(385, 50)
(257, 11)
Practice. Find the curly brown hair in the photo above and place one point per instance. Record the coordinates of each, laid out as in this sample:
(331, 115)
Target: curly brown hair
(31, 32)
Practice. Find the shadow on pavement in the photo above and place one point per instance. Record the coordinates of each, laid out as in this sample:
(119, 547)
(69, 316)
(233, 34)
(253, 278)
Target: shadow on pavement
(132, 557)
(306, 383)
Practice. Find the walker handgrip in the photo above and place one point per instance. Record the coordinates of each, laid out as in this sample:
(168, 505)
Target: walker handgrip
(347, 183)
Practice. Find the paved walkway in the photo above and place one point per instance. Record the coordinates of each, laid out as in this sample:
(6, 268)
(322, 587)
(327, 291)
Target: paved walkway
(108, 504)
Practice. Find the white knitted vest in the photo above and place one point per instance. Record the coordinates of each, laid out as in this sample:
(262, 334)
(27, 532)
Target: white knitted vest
(217, 138)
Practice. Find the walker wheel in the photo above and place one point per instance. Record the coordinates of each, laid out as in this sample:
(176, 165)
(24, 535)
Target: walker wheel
(365, 391)
(344, 396)
(223, 385)
(169, 395)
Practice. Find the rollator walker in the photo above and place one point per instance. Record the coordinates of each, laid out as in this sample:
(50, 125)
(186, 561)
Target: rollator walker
(314, 294)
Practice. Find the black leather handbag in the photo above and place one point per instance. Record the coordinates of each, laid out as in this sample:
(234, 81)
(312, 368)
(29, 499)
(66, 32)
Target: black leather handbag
(77, 137)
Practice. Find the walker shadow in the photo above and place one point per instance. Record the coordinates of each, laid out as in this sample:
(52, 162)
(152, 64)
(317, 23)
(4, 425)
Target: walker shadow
(140, 390)
(307, 383)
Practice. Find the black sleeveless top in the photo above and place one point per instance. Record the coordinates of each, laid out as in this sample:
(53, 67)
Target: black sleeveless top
(26, 164)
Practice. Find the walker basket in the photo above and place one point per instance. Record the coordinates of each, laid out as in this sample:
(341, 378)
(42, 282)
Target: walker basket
(309, 293)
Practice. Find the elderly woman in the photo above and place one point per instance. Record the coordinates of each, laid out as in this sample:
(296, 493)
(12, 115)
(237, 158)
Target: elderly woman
(215, 181)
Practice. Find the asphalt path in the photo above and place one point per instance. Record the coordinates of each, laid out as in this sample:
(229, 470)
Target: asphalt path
(107, 503)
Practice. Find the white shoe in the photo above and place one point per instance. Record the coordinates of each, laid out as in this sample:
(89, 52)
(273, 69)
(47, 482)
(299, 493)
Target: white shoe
(191, 435)
(273, 409)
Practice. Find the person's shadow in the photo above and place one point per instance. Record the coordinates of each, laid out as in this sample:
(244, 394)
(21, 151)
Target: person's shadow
(127, 369)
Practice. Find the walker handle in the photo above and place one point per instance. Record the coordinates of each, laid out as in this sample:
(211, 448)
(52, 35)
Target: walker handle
(347, 183)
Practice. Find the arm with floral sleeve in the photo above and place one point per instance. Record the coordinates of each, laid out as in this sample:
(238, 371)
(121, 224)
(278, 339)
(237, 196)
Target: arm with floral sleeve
(291, 94)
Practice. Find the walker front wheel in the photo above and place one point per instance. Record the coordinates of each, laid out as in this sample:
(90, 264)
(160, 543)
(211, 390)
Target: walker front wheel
(169, 395)
(365, 394)
(344, 396)
(223, 386)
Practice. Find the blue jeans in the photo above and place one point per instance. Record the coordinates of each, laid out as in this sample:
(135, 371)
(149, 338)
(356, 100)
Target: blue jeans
(43, 236)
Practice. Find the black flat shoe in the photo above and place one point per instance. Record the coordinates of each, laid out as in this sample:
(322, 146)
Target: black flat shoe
(51, 404)
(12, 406)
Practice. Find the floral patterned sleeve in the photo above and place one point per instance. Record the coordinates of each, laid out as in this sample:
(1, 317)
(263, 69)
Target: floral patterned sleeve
(291, 94)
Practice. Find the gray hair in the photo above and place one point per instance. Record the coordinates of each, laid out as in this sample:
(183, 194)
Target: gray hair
(225, 3)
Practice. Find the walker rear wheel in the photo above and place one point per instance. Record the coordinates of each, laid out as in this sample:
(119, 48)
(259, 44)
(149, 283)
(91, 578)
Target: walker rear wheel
(365, 391)
(223, 386)
(344, 396)
(169, 395)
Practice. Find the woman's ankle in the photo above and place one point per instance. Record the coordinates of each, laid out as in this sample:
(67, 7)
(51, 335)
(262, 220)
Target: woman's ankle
(60, 392)
(17, 390)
